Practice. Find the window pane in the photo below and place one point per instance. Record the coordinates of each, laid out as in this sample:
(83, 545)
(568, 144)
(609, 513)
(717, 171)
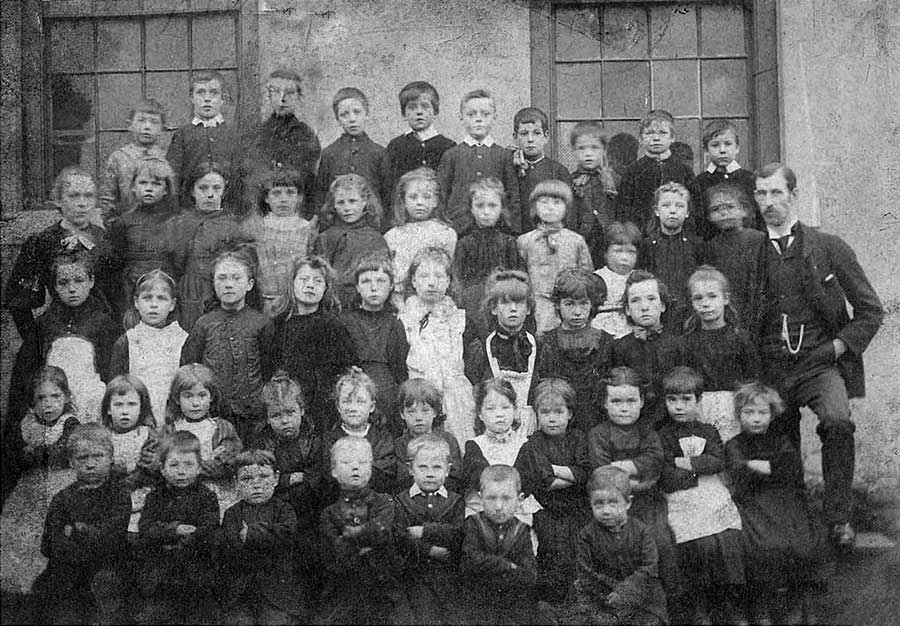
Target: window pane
(627, 92)
(687, 132)
(231, 94)
(118, 93)
(673, 31)
(675, 87)
(71, 46)
(73, 150)
(722, 30)
(213, 40)
(577, 34)
(578, 92)
(724, 87)
(118, 45)
(171, 90)
(624, 33)
(72, 102)
(165, 6)
(167, 43)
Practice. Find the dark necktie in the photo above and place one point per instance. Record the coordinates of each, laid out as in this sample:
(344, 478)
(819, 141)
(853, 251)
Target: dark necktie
(783, 243)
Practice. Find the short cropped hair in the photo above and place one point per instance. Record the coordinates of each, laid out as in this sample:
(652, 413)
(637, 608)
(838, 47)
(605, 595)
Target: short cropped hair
(550, 388)
(672, 187)
(716, 128)
(500, 474)
(374, 262)
(76, 257)
(430, 442)
(590, 129)
(346, 93)
(623, 234)
(287, 74)
(579, 284)
(147, 105)
(349, 443)
(256, 457)
(770, 169)
(531, 115)
(181, 441)
(620, 376)
(550, 188)
(93, 433)
(62, 181)
(415, 90)
(750, 392)
(472, 95)
(735, 192)
(355, 378)
(609, 477)
(204, 76)
(282, 390)
(683, 379)
(657, 115)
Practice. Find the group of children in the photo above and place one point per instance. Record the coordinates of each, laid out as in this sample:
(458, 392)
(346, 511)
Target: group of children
(397, 419)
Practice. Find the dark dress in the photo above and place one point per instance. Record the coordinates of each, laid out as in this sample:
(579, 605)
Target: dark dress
(652, 358)
(735, 254)
(639, 184)
(193, 144)
(723, 356)
(406, 153)
(343, 245)
(564, 511)
(593, 209)
(302, 454)
(672, 259)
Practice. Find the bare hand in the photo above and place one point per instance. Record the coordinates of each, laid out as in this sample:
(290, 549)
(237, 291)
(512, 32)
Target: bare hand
(439, 553)
(296, 477)
(760, 467)
(683, 462)
(352, 531)
(415, 532)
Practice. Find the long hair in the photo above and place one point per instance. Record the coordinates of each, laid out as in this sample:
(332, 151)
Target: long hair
(506, 286)
(119, 386)
(286, 304)
(423, 174)
(243, 253)
(372, 209)
(438, 255)
(55, 376)
(186, 377)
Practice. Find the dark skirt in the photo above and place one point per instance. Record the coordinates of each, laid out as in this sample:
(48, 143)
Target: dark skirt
(713, 561)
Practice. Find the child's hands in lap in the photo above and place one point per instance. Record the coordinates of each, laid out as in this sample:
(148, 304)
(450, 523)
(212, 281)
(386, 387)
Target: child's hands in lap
(296, 477)
(760, 467)
(439, 553)
(415, 532)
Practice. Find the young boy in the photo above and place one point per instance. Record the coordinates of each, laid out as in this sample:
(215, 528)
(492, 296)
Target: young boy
(146, 122)
(722, 145)
(84, 536)
(176, 529)
(657, 167)
(479, 156)
(594, 187)
(531, 132)
(256, 544)
(616, 557)
(672, 253)
(622, 241)
(428, 523)
(357, 542)
(422, 146)
(353, 152)
(498, 561)
(207, 138)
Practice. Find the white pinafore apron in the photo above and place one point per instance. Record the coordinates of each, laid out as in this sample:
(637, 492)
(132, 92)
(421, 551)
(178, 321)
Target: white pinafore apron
(520, 381)
(75, 356)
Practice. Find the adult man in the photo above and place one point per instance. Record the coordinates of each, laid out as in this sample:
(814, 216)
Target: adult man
(811, 347)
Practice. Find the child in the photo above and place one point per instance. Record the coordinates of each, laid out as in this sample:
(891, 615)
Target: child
(357, 542)
(670, 252)
(434, 329)
(199, 237)
(649, 348)
(631, 444)
(422, 146)
(531, 132)
(497, 557)
(421, 408)
(622, 241)
(152, 349)
(594, 185)
(354, 395)
(84, 536)
(734, 250)
(143, 236)
(721, 143)
(49, 420)
(351, 215)
(312, 345)
(353, 152)
(176, 533)
(655, 168)
(701, 514)
(256, 548)
(550, 247)
(418, 224)
(783, 545)
(428, 520)
(616, 557)
(554, 465)
(575, 351)
(207, 138)
(478, 156)
(721, 353)
(279, 233)
(127, 415)
(487, 246)
(377, 334)
(509, 351)
(236, 341)
(118, 196)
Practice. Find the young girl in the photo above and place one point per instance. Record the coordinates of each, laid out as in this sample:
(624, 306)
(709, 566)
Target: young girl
(378, 335)
(199, 236)
(194, 405)
(434, 329)
(783, 545)
(352, 216)
(152, 349)
(723, 354)
(312, 345)
(550, 247)
(236, 341)
(127, 414)
(701, 514)
(143, 237)
(575, 351)
(280, 234)
(486, 247)
(622, 241)
(421, 408)
(554, 464)
(509, 351)
(418, 219)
